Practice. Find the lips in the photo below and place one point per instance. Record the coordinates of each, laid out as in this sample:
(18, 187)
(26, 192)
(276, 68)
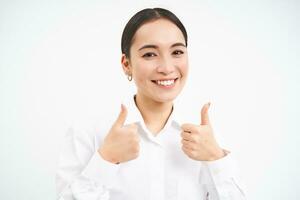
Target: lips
(165, 82)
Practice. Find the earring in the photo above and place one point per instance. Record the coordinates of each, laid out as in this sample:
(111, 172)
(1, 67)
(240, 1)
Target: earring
(129, 77)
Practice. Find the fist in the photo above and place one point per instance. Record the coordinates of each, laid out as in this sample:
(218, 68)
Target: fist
(198, 141)
(121, 144)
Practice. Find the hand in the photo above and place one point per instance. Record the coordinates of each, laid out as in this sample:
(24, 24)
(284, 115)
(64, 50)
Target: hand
(122, 142)
(198, 141)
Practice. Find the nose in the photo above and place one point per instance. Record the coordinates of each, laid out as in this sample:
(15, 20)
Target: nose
(165, 66)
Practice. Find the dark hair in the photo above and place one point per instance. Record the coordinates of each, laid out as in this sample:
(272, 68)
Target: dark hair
(142, 17)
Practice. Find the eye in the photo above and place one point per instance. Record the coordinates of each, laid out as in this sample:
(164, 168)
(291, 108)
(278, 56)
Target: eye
(177, 52)
(149, 54)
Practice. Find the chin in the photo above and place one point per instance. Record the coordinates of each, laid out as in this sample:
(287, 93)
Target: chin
(165, 98)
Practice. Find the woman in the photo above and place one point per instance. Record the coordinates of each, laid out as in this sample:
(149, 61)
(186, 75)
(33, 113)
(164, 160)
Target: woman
(148, 153)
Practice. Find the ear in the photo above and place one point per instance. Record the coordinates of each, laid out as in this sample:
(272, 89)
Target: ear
(125, 64)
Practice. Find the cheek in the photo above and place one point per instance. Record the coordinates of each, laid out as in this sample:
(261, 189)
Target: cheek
(141, 73)
(183, 66)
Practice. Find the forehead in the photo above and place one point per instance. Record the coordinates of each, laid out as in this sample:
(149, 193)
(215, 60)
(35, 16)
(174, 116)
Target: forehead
(158, 32)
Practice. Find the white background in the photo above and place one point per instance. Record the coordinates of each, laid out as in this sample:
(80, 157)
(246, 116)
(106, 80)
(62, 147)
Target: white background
(60, 68)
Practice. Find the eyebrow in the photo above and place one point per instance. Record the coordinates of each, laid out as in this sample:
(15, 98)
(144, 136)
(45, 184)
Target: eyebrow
(156, 47)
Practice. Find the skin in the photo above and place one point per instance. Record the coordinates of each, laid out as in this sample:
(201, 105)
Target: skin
(164, 61)
(158, 52)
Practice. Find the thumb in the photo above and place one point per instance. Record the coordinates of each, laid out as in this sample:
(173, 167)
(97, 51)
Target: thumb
(122, 117)
(204, 114)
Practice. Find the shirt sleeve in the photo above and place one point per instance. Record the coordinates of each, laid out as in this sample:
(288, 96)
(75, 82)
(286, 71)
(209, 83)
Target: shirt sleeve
(82, 173)
(221, 179)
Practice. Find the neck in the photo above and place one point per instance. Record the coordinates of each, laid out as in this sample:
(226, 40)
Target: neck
(155, 114)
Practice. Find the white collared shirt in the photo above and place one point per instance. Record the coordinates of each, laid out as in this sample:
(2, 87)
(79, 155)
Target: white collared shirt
(161, 171)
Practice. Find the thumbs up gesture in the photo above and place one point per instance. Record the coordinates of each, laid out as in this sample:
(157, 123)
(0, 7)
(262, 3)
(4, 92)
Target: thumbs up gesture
(121, 144)
(198, 141)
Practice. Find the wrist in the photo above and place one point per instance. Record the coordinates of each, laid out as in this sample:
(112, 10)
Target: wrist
(221, 153)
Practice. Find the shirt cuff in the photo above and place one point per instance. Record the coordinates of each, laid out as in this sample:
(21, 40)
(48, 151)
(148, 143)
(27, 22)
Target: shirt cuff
(100, 170)
(222, 169)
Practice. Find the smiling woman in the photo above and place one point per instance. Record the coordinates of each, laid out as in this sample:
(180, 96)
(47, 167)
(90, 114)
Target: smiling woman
(150, 155)
(158, 62)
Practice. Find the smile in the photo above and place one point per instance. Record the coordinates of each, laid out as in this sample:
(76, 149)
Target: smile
(165, 83)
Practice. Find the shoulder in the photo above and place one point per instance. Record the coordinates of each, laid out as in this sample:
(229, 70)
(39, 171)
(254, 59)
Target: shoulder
(88, 134)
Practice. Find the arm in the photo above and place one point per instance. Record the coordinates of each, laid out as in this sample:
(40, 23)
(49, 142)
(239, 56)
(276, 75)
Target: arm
(221, 180)
(88, 172)
(219, 175)
(82, 173)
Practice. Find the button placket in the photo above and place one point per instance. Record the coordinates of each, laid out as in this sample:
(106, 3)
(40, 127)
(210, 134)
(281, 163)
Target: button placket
(157, 174)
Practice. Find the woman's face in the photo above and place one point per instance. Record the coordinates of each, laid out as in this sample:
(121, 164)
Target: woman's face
(158, 60)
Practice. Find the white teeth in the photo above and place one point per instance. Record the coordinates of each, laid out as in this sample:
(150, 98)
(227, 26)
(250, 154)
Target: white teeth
(165, 83)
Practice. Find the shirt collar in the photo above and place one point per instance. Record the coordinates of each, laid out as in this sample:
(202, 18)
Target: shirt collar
(134, 116)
